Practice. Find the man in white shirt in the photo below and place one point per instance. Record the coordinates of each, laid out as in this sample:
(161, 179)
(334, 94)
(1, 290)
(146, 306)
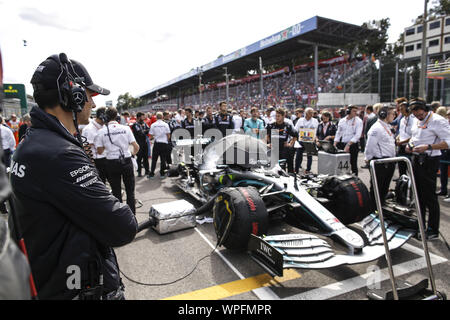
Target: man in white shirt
(90, 132)
(238, 121)
(308, 122)
(115, 139)
(405, 132)
(8, 143)
(161, 132)
(381, 145)
(348, 134)
(430, 135)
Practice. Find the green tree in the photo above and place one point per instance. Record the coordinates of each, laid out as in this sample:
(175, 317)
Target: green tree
(377, 42)
(127, 101)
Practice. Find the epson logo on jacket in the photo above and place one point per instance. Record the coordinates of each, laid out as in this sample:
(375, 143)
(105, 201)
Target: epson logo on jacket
(79, 171)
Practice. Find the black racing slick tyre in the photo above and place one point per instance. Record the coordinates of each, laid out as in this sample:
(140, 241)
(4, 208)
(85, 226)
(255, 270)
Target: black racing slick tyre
(238, 213)
(349, 199)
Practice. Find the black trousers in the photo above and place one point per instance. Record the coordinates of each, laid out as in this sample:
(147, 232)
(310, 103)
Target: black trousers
(402, 167)
(353, 155)
(425, 175)
(445, 160)
(142, 158)
(117, 172)
(160, 150)
(102, 165)
(299, 160)
(287, 153)
(7, 157)
(384, 173)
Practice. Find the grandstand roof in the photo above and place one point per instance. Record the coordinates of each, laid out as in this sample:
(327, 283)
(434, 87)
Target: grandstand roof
(280, 47)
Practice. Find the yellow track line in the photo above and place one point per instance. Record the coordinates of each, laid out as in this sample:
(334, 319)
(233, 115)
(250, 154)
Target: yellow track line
(236, 287)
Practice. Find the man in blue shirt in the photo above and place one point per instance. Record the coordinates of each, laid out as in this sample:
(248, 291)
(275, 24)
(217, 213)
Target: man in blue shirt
(254, 125)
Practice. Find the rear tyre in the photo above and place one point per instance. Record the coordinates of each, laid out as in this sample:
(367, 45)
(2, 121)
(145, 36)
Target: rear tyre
(238, 213)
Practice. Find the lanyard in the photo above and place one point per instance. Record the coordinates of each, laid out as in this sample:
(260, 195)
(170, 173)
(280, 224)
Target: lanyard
(386, 129)
(325, 128)
(427, 119)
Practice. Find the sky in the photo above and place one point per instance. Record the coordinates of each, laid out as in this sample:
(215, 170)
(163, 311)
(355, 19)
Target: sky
(134, 46)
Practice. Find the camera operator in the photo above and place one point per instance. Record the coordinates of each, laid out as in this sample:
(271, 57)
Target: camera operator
(348, 134)
(430, 135)
(115, 140)
(140, 130)
(66, 215)
(381, 145)
(90, 132)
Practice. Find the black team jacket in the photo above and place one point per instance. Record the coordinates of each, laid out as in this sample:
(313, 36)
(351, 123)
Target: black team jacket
(66, 214)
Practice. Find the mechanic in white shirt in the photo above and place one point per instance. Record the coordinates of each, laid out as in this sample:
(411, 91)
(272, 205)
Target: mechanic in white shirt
(348, 134)
(115, 139)
(381, 145)
(238, 121)
(161, 132)
(8, 143)
(308, 122)
(405, 133)
(90, 132)
(430, 135)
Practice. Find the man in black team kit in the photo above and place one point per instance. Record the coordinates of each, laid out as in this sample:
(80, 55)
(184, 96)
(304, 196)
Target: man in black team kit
(189, 122)
(140, 131)
(209, 121)
(224, 120)
(66, 215)
(279, 132)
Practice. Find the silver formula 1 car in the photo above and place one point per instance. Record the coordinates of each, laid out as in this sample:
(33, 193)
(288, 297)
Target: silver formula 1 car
(235, 180)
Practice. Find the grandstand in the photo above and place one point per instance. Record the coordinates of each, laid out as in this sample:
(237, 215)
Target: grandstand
(233, 77)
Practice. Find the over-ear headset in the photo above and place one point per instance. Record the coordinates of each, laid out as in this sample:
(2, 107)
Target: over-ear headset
(383, 113)
(72, 94)
(406, 106)
(349, 109)
(101, 114)
(419, 104)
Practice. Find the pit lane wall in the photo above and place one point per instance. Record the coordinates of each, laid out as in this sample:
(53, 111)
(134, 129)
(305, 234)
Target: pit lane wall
(343, 99)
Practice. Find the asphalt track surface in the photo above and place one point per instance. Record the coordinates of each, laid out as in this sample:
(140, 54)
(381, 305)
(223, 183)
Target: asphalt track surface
(159, 259)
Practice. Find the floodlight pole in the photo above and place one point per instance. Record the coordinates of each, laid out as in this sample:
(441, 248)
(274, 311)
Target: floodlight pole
(227, 78)
(316, 67)
(261, 83)
(200, 73)
(423, 62)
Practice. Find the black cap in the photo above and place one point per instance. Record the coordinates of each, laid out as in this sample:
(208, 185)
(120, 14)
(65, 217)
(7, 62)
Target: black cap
(47, 73)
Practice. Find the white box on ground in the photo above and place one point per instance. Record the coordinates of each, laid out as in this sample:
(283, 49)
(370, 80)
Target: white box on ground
(334, 164)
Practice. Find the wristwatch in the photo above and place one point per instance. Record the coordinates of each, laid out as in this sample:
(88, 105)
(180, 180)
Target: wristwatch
(430, 147)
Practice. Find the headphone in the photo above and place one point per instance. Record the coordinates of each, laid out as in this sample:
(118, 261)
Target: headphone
(72, 95)
(349, 110)
(102, 115)
(406, 106)
(383, 113)
(420, 105)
